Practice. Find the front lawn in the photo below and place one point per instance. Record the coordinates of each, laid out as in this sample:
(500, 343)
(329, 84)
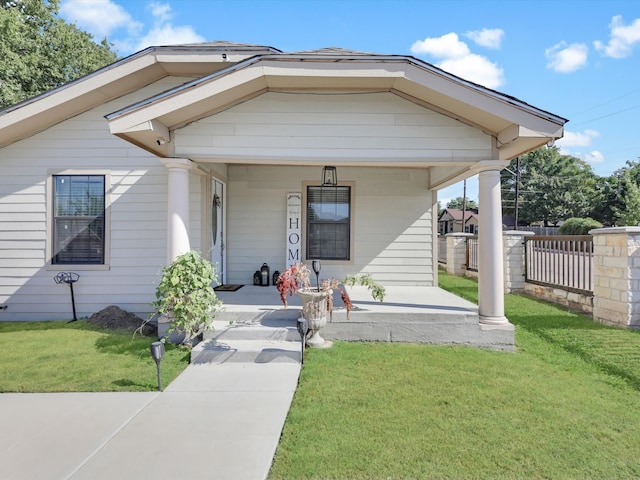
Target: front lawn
(78, 357)
(566, 405)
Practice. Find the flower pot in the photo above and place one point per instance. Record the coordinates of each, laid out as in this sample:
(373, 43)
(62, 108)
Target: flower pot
(314, 311)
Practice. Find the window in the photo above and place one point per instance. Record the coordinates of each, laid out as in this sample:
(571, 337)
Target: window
(78, 219)
(328, 223)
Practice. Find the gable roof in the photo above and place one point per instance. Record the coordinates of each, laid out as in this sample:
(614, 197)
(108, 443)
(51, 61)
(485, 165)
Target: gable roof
(456, 214)
(230, 73)
(123, 76)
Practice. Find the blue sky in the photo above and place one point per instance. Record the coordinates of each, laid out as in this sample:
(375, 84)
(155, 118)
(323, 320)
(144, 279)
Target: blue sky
(576, 59)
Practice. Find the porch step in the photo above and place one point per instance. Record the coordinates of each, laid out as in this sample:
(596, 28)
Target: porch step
(249, 344)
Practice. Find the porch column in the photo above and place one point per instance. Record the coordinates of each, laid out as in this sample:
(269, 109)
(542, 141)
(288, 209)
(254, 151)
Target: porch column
(490, 259)
(177, 207)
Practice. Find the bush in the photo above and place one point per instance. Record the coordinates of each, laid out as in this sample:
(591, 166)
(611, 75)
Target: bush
(579, 226)
(186, 297)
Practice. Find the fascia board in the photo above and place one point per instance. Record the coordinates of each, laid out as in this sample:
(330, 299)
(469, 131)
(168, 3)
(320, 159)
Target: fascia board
(39, 113)
(190, 100)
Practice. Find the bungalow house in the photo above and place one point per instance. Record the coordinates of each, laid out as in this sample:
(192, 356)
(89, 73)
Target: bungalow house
(471, 222)
(221, 147)
(451, 221)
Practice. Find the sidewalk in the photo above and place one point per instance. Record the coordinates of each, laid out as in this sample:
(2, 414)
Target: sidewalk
(221, 418)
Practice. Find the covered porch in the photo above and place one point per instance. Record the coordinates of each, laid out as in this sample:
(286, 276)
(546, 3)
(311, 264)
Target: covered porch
(397, 129)
(408, 314)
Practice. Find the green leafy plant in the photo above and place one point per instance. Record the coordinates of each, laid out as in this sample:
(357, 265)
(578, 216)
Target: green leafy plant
(186, 297)
(297, 278)
(579, 226)
(366, 280)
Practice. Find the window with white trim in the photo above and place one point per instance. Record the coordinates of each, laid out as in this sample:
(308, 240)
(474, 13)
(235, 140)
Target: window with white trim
(328, 223)
(78, 220)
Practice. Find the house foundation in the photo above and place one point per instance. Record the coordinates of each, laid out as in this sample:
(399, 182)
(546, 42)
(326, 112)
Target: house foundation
(408, 314)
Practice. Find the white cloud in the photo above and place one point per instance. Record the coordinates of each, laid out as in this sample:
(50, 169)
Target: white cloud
(564, 58)
(594, 157)
(456, 58)
(106, 18)
(163, 32)
(578, 139)
(99, 17)
(446, 46)
(168, 35)
(487, 37)
(621, 39)
(476, 68)
(161, 12)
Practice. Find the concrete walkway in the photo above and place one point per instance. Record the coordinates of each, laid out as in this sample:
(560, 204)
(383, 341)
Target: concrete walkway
(221, 418)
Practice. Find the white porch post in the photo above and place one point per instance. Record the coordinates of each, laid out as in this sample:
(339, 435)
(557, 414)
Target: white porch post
(177, 207)
(490, 259)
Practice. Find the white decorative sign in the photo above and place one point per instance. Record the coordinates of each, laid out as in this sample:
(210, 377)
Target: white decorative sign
(294, 208)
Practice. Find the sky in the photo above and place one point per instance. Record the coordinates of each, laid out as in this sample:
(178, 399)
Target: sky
(576, 59)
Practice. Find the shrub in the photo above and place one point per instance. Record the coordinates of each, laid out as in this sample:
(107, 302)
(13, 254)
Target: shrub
(579, 226)
(186, 297)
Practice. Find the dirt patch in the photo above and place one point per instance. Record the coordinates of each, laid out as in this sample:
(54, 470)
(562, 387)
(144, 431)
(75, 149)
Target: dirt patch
(115, 318)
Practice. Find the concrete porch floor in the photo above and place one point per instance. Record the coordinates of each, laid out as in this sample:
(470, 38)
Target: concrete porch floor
(408, 314)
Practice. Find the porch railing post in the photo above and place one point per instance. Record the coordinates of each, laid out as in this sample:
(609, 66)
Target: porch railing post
(616, 283)
(457, 252)
(514, 260)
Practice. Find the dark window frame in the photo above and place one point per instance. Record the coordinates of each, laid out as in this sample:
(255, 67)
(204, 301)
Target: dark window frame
(321, 230)
(79, 203)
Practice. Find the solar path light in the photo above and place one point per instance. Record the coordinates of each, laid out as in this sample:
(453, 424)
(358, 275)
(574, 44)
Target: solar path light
(303, 328)
(317, 266)
(157, 352)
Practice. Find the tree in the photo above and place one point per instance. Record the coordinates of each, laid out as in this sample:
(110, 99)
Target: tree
(40, 51)
(553, 187)
(458, 202)
(618, 200)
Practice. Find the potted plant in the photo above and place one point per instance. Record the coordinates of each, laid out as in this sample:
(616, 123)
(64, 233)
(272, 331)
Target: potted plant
(186, 298)
(318, 301)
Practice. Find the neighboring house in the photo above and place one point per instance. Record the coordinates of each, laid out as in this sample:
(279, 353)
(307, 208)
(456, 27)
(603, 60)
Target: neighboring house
(471, 223)
(450, 221)
(199, 147)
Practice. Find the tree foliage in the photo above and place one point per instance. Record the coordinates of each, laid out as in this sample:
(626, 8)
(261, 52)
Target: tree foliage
(459, 201)
(40, 51)
(553, 187)
(579, 226)
(618, 201)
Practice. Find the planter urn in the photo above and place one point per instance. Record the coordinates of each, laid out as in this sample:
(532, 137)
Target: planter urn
(314, 311)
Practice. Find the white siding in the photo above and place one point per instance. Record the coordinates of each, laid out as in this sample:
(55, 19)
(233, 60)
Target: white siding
(373, 127)
(138, 217)
(393, 222)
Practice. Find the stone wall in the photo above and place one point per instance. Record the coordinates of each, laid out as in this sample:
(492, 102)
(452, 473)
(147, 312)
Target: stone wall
(573, 300)
(457, 253)
(616, 291)
(616, 263)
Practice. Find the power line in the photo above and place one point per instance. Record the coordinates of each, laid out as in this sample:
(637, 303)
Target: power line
(605, 103)
(607, 115)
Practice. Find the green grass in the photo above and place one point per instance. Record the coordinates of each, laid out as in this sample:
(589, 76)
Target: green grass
(77, 357)
(565, 405)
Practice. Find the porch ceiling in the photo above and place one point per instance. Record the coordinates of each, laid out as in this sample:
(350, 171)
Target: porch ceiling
(515, 126)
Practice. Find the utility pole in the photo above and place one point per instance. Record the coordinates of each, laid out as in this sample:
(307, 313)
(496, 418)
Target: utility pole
(517, 193)
(464, 202)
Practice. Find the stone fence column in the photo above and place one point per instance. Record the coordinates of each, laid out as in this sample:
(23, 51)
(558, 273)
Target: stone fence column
(457, 252)
(514, 260)
(616, 282)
